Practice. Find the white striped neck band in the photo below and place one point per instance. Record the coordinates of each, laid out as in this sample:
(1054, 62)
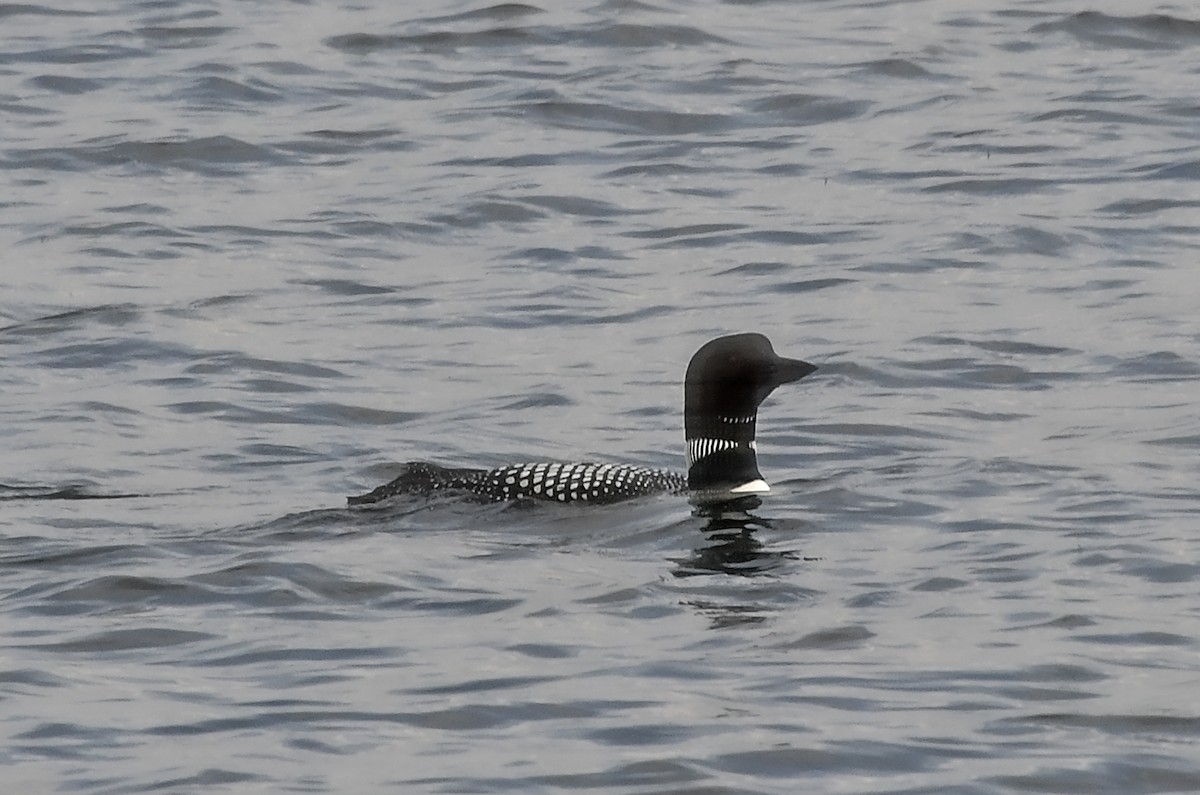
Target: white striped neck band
(699, 448)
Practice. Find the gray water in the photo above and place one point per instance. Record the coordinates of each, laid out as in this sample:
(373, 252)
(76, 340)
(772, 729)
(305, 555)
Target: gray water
(256, 255)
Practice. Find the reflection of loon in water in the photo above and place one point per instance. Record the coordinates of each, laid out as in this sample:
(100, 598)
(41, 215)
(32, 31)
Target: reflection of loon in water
(730, 542)
(726, 381)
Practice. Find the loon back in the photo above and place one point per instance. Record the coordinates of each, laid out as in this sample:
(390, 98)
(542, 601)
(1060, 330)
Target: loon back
(726, 381)
(597, 483)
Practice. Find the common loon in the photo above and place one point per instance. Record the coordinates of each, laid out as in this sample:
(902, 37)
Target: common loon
(726, 381)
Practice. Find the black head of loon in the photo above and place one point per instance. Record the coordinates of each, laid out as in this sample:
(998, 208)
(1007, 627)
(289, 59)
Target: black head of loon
(726, 381)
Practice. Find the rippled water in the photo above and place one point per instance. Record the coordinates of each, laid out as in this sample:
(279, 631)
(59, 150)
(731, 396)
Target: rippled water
(257, 254)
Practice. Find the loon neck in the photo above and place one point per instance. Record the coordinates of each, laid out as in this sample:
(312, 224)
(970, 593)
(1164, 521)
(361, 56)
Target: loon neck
(726, 381)
(711, 433)
(721, 455)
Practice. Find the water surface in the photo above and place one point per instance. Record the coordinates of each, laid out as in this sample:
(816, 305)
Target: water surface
(255, 256)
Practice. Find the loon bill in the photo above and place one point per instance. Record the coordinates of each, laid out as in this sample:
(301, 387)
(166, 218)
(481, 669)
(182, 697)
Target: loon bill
(726, 381)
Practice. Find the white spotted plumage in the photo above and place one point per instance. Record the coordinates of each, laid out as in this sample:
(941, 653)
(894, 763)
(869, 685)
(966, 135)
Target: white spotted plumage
(571, 482)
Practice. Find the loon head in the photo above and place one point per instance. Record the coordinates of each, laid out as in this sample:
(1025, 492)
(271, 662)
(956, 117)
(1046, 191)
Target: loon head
(726, 381)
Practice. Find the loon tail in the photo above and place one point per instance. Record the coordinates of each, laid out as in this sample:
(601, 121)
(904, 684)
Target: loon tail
(420, 477)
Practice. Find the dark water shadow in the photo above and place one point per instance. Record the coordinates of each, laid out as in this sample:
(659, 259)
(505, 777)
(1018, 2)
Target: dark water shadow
(448, 510)
(72, 491)
(730, 543)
